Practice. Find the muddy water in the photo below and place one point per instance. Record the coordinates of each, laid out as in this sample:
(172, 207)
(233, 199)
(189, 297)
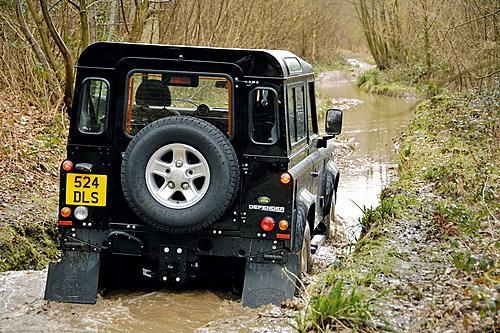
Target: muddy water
(370, 125)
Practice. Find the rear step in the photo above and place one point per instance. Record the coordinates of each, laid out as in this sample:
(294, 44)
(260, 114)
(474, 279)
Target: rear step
(316, 242)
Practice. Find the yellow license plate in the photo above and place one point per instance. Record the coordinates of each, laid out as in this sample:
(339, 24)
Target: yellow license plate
(87, 190)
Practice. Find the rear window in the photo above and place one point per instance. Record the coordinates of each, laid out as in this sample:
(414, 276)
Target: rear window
(94, 106)
(153, 95)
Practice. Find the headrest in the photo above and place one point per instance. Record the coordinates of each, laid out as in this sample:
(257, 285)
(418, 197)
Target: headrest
(153, 93)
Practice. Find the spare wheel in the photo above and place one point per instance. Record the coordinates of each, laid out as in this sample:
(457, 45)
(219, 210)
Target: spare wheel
(180, 174)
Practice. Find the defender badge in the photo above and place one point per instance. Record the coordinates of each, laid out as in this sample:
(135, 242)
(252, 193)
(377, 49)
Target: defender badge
(276, 209)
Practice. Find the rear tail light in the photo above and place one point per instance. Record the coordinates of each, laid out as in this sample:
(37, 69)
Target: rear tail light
(65, 212)
(67, 165)
(267, 223)
(283, 225)
(285, 178)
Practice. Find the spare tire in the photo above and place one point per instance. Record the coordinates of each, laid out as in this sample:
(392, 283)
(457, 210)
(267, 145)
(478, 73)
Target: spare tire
(180, 174)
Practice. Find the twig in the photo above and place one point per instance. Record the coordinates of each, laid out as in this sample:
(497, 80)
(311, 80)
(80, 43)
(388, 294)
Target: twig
(472, 20)
(484, 202)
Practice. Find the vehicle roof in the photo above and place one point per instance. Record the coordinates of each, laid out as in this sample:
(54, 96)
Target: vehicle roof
(253, 62)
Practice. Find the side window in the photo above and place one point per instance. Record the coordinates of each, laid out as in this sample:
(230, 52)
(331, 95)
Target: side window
(300, 110)
(291, 114)
(263, 106)
(93, 106)
(310, 105)
(297, 118)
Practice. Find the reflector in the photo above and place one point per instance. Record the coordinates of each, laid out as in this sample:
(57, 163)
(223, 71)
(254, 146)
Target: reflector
(283, 236)
(65, 223)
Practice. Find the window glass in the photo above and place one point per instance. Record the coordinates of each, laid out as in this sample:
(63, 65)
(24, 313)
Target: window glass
(94, 106)
(310, 95)
(152, 96)
(300, 111)
(291, 114)
(293, 65)
(264, 127)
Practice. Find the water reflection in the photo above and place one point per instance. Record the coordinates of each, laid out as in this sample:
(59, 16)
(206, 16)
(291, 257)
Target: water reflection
(373, 125)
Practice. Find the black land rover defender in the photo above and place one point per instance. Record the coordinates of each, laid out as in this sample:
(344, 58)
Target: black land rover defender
(176, 154)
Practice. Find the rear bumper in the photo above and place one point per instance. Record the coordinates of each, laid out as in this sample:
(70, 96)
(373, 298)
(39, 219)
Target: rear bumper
(153, 245)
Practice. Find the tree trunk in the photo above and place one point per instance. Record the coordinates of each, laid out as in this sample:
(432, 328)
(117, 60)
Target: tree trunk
(84, 25)
(40, 55)
(44, 39)
(68, 59)
(112, 20)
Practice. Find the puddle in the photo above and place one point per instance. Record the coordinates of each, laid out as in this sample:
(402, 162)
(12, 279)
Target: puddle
(23, 310)
(372, 126)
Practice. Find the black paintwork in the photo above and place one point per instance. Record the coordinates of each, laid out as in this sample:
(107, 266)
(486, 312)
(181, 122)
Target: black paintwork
(116, 230)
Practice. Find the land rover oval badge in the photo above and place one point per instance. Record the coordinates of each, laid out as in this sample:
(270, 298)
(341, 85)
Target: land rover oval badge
(264, 200)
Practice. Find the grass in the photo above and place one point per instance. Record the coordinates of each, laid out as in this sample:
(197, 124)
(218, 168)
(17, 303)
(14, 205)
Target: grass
(34, 139)
(336, 63)
(27, 245)
(341, 307)
(449, 167)
(376, 82)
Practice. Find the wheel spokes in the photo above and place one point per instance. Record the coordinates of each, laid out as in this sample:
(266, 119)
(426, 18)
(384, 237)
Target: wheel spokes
(166, 192)
(190, 193)
(179, 154)
(158, 167)
(196, 171)
(184, 172)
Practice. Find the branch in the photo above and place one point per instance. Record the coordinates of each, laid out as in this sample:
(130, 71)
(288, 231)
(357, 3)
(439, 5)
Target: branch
(73, 3)
(124, 16)
(473, 19)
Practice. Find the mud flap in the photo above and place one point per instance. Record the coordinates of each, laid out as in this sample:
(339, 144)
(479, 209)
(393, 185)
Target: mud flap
(74, 279)
(269, 283)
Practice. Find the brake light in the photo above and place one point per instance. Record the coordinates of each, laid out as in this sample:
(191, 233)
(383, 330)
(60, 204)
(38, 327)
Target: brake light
(65, 212)
(285, 178)
(283, 225)
(67, 165)
(267, 223)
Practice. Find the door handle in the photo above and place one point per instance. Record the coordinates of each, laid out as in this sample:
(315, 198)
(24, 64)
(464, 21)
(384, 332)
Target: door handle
(315, 173)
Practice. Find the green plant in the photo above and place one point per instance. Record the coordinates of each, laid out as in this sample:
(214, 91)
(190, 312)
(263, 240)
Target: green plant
(373, 215)
(368, 77)
(341, 307)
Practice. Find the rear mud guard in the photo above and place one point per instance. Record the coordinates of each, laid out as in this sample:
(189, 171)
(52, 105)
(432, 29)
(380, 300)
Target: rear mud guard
(74, 279)
(267, 283)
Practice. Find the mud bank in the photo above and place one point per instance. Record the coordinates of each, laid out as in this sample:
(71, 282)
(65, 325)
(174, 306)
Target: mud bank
(428, 258)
